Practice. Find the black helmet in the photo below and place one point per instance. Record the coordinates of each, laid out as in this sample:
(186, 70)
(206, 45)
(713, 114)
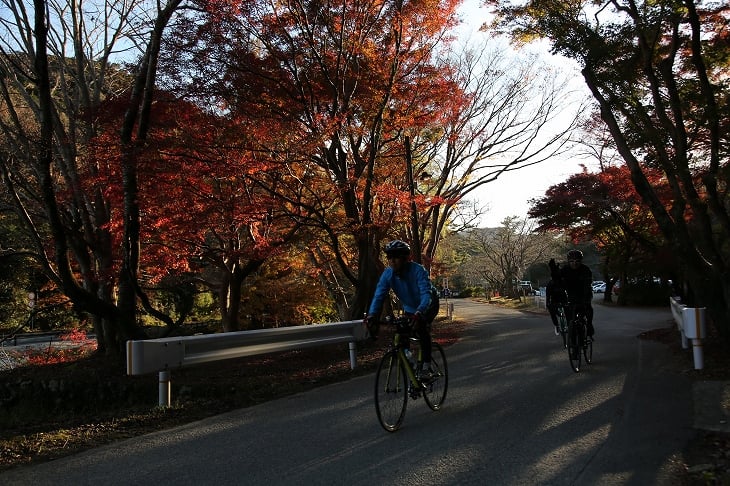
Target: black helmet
(397, 248)
(575, 255)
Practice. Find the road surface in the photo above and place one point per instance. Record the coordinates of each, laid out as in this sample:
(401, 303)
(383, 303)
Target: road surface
(515, 414)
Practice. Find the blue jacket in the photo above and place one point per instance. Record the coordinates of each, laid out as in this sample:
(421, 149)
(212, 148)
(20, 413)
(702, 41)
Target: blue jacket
(412, 286)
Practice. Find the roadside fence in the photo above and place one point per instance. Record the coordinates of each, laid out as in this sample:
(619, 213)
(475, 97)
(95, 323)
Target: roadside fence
(691, 325)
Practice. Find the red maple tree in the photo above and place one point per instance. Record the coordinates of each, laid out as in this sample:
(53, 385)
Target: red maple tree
(340, 85)
(604, 207)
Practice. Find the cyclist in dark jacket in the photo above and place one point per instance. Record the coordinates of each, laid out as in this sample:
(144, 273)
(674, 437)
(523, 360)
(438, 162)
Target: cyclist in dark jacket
(411, 283)
(576, 279)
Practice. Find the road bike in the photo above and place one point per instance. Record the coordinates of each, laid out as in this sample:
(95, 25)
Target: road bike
(579, 343)
(399, 377)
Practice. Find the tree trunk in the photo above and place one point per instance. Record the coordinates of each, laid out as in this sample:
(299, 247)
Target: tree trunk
(230, 296)
(369, 272)
(691, 239)
(138, 115)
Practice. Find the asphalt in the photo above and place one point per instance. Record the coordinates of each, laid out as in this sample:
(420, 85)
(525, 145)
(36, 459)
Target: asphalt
(614, 429)
(711, 405)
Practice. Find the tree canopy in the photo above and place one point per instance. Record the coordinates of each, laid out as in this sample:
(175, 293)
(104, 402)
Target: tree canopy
(153, 147)
(603, 207)
(657, 72)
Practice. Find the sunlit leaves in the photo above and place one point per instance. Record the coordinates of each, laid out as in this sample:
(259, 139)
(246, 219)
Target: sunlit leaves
(334, 87)
(197, 203)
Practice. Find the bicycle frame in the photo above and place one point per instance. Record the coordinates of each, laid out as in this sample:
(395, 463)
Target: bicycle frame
(402, 332)
(577, 339)
(577, 312)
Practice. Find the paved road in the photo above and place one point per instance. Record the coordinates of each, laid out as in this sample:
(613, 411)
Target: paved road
(515, 415)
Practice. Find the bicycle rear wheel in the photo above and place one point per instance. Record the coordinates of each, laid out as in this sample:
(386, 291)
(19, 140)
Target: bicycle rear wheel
(574, 346)
(435, 392)
(587, 346)
(391, 392)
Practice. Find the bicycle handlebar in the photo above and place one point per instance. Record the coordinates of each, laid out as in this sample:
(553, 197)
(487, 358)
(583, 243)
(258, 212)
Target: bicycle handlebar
(402, 324)
(391, 320)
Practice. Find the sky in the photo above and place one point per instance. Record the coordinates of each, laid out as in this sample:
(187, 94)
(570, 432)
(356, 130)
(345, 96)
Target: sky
(509, 194)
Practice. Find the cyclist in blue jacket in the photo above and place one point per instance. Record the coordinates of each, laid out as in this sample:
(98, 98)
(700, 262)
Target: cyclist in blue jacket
(412, 285)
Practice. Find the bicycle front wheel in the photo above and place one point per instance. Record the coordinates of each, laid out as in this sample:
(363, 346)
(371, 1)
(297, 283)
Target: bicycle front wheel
(434, 392)
(574, 347)
(391, 392)
(587, 347)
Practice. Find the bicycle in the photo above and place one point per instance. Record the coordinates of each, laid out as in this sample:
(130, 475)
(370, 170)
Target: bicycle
(398, 379)
(578, 340)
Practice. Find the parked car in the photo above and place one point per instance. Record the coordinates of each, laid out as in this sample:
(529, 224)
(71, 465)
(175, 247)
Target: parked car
(599, 287)
(526, 287)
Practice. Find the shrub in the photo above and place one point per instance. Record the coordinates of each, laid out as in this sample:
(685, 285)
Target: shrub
(644, 292)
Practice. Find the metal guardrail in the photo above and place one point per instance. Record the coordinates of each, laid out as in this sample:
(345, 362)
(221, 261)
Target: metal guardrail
(691, 325)
(30, 338)
(164, 354)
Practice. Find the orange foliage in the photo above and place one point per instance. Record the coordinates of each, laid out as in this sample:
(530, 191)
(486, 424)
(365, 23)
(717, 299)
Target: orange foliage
(195, 197)
(326, 74)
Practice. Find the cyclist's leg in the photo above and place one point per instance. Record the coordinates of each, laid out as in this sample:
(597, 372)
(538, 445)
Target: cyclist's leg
(424, 330)
(568, 309)
(424, 335)
(435, 387)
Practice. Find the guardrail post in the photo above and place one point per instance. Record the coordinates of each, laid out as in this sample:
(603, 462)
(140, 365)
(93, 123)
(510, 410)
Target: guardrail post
(697, 354)
(353, 355)
(164, 389)
(693, 319)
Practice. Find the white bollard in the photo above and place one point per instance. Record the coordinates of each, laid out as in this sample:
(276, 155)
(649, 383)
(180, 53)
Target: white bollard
(164, 389)
(693, 321)
(697, 354)
(353, 355)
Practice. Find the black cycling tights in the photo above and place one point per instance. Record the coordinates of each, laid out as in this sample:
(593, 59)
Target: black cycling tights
(589, 317)
(424, 335)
